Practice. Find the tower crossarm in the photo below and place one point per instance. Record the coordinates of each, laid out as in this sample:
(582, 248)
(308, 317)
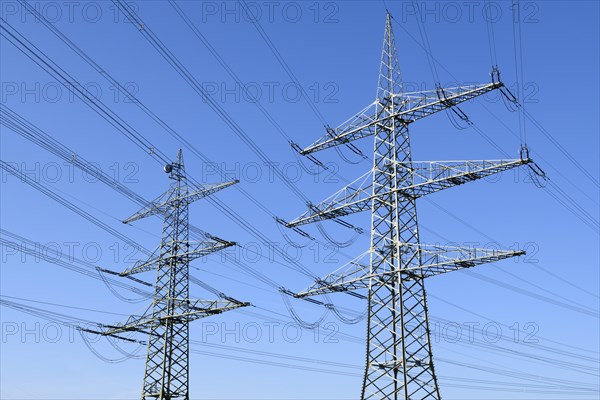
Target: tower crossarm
(135, 323)
(188, 310)
(359, 126)
(205, 190)
(163, 203)
(195, 250)
(353, 198)
(353, 275)
(417, 105)
(405, 107)
(196, 309)
(428, 177)
(436, 259)
(432, 176)
(422, 261)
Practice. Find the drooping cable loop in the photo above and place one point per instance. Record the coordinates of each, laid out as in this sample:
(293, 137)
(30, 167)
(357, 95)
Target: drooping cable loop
(314, 160)
(131, 354)
(346, 320)
(280, 223)
(101, 357)
(285, 294)
(330, 239)
(119, 295)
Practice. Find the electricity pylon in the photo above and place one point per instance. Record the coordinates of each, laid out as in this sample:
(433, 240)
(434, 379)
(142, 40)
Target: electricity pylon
(166, 321)
(399, 358)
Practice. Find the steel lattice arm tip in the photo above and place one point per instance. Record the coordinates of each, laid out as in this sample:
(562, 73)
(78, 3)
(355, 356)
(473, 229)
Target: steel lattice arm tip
(101, 333)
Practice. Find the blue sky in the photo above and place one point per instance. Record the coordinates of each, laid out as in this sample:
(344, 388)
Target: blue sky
(333, 48)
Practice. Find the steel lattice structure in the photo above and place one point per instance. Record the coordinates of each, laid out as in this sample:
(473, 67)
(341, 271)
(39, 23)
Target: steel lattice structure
(399, 362)
(166, 322)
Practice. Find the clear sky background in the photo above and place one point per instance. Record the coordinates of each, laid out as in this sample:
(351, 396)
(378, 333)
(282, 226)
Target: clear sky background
(539, 313)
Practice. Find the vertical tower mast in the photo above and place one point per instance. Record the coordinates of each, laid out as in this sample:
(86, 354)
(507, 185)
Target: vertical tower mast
(399, 361)
(167, 359)
(398, 343)
(166, 322)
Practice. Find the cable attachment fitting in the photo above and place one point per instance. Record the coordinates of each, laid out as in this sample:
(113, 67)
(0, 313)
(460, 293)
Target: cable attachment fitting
(508, 95)
(299, 231)
(301, 152)
(510, 100)
(441, 94)
(524, 152)
(495, 74)
(286, 291)
(537, 174)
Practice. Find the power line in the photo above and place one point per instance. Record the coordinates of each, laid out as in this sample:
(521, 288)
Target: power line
(77, 210)
(114, 82)
(54, 256)
(518, 55)
(60, 318)
(41, 59)
(164, 50)
(564, 151)
(237, 217)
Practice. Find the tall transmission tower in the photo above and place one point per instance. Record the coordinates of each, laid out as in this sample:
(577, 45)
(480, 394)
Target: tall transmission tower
(399, 362)
(166, 321)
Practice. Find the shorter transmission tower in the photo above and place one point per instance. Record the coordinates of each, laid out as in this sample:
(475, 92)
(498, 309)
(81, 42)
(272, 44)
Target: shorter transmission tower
(166, 321)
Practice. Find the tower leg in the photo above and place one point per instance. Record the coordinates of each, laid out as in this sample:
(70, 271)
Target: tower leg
(399, 361)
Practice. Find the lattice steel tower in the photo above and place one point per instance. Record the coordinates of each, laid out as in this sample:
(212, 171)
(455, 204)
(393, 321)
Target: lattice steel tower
(399, 361)
(167, 319)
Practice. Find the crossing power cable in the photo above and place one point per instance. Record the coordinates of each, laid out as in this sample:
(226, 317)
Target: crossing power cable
(69, 320)
(301, 269)
(40, 58)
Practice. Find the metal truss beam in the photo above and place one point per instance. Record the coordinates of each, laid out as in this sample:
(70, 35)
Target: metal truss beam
(429, 177)
(161, 206)
(190, 310)
(199, 249)
(409, 107)
(420, 261)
